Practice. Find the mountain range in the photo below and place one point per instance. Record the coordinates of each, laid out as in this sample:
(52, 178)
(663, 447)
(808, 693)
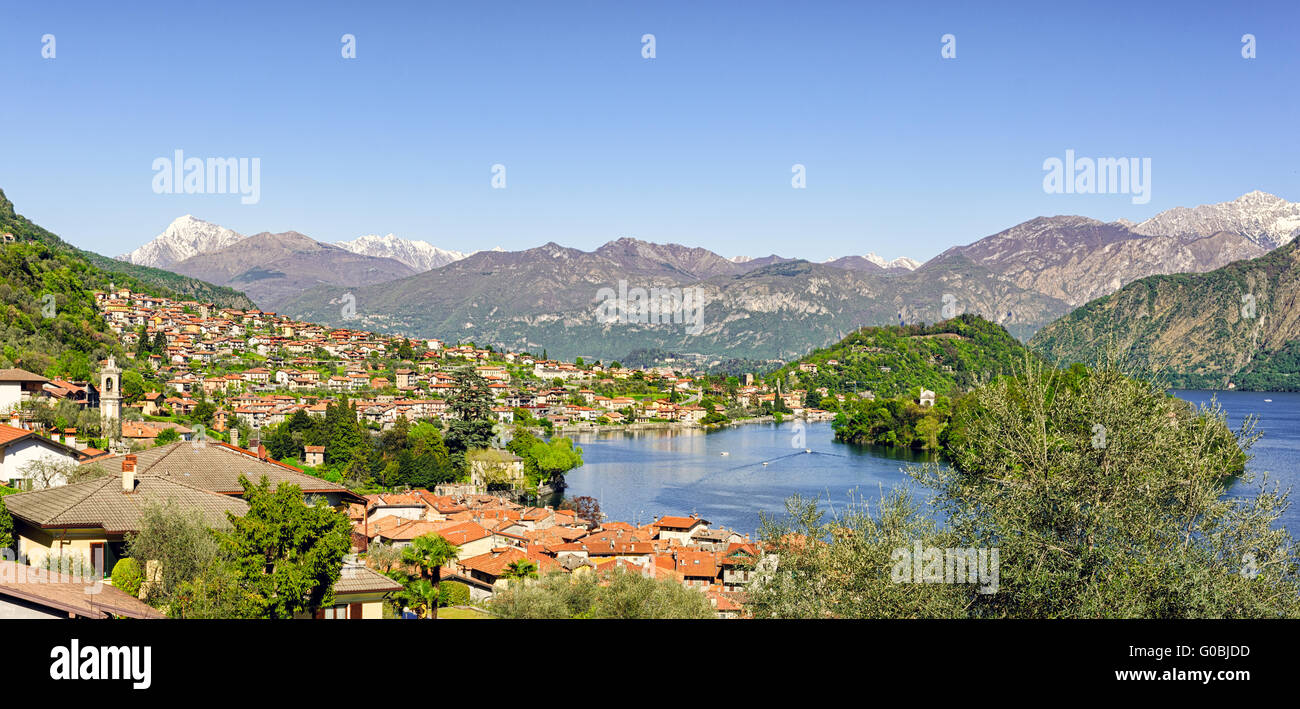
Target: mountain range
(1023, 278)
(273, 268)
(1234, 327)
(419, 255)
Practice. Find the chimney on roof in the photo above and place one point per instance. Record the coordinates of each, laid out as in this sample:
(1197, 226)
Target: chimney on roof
(128, 473)
(261, 452)
(70, 438)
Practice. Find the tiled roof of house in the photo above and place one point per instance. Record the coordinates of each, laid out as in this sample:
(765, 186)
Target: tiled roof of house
(217, 466)
(74, 595)
(697, 563)
(494, 563)
(463, 533)
(20, 375)
(9, 434)
(679, 522)
(101, 503)
(360, 579)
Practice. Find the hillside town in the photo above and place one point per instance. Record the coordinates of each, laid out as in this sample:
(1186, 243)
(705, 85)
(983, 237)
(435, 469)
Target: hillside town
(183, 416)
(262, 367)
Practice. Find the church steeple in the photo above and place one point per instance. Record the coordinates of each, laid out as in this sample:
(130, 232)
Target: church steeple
(110, 399)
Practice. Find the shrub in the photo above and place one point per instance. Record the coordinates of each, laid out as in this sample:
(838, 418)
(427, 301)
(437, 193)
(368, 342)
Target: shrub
(453, 593)
(128, 576)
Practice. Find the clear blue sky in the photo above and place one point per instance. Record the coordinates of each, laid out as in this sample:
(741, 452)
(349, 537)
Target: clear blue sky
(906, 153)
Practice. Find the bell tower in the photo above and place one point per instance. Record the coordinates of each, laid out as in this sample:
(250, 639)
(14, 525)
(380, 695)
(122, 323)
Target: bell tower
(110, 398)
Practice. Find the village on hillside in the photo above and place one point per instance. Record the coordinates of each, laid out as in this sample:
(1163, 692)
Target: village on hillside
(203, 394)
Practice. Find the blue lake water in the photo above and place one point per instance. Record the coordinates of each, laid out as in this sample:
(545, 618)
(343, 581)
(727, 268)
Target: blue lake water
(640, 476)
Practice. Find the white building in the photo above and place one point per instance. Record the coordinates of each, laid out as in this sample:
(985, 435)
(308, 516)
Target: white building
(19, 447)
(17, 386)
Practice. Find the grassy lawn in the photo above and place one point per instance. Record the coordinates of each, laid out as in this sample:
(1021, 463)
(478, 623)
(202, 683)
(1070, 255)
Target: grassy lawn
(461, 613)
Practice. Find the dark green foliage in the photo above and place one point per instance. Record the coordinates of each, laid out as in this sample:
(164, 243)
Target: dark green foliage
(128, 576)
(6, 521)
(285, 551)
(1103, 495)
(898, 422)
(471, 425)
(946, 357)
(544, 460)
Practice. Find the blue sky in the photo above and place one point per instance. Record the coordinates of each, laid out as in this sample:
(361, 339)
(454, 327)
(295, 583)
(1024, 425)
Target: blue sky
(906, 153)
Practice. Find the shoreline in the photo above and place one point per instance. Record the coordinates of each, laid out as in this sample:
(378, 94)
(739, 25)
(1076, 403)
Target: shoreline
(676, 425)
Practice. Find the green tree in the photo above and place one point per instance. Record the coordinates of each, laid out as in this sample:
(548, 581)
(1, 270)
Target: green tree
(289, 553)
(520, 570)
(616, 594)
(6, 521)
(471, 425)
(1103, 496)
(427, 461)
(132, 386)
(429, 553)
(422, 596)
(178, 543)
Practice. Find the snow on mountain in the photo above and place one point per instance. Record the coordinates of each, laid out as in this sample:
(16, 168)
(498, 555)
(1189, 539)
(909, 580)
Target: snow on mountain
(185, 237)
(420, 255)
(1267, 220)
(901, 262)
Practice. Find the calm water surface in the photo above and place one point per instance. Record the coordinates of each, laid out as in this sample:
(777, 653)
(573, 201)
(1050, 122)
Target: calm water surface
(640, 476)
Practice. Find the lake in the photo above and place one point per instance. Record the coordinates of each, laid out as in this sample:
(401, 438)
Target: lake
(640, 476)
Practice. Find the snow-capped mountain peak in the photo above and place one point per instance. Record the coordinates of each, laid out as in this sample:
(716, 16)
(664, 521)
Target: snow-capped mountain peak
(901, 262)
(185, 237)
(420, 255)
(1266, 219)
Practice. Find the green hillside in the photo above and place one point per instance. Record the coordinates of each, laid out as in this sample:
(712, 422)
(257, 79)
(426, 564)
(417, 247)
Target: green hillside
(946, 357)
(150, 280)
(1235, 327)
(38, 264)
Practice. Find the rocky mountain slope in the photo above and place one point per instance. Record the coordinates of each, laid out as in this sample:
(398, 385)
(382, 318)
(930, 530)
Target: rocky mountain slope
(1265, 219)
(551, 297)
(1076, 259)
(272, 268)
(1236, 326)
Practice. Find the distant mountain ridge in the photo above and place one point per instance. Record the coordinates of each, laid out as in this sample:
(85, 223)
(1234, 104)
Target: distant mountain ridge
(759, 308)
(419, 255)
(1076, 259)
(273, 268)
(185, 237)
(1265, 219)
(872, 262)
(1237, 326)
(547, 297)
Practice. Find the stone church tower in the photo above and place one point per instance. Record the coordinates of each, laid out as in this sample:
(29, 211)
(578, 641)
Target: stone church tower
(110, 399)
